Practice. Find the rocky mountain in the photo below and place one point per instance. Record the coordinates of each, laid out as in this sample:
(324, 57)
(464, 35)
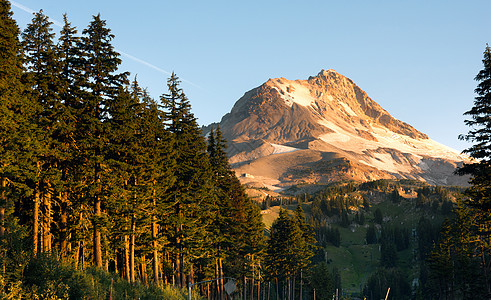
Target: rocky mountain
(324, 129)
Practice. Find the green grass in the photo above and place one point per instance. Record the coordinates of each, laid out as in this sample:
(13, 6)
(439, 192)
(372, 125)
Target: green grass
(354, 260)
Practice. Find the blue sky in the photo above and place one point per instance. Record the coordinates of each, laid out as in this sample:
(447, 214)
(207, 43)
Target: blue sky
(417, 59)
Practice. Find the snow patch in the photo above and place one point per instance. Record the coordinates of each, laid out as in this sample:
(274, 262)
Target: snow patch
(278, 149)
(348, 109)
(293, 92)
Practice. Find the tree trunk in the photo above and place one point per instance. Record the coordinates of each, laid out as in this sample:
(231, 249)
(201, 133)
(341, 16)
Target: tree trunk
(252, 279)
(217, 275)
(259, 287)
(183, 274)
(301, 284)
(277, 290)
(132, 248)
(293, 286)
(98, 214)
(165, 276)
(75, 255)
(245, 289)
(155, 245)
(289, 288)
(63, 225)
(81, 254)
(47, 219)
(220, 281)
(144, 270)
(127, 258)
(35, 224)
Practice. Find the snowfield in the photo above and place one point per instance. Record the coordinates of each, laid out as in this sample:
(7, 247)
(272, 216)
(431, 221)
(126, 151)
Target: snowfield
(278, 149)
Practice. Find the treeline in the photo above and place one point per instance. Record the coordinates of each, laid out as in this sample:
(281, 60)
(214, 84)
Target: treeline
(270, 201)
(95, 172)
(405, 250)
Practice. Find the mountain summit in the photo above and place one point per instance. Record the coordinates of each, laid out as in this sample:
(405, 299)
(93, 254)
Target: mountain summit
(327, 129)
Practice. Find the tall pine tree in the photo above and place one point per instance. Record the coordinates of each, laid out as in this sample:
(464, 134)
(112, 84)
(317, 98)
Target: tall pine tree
(41, 63)
(189, 197)
(100, 83)
(239, 238)
(480, 134)
(480, 171)
(63, 135)
(13, 119)
(11, 89)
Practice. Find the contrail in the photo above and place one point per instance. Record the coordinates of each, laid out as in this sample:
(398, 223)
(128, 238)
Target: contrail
(31, 11)
(141, 61)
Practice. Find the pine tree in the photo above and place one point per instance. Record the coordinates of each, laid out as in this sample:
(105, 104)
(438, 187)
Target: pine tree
(189, 197)
(308, 247)
(69, 94)
(11, 88)
(124, 157)
(480, 123)
(100, 82)
(160, 165)
(480, 171)
(238, 222)
(12, 136)
(41, 64)
(322, 281)
(454, 263)
(284, 251)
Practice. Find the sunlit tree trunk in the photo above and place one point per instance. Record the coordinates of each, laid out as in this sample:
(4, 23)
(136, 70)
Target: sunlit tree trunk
(98, 214)
(127, 258)
(155, 244)
(132, 248)
(35, 224)
(47, 219)
(144, 270)
(64, 248)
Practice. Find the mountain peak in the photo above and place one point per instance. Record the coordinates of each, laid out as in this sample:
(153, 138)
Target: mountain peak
(327, 72)
(331, 125)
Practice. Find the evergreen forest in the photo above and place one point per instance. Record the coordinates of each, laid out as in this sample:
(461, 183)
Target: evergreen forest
(107, 193)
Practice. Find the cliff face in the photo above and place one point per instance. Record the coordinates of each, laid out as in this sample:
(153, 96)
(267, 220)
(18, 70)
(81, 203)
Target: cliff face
(327, 129)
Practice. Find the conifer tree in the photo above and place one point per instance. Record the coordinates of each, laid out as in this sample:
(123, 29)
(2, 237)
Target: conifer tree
(160, 165)
(189, 197)
(10, 96)
(480, 123)
(480, 171)
(307, 247)
(41, 63)
(453, 264)
(283, 251)
(100, 62)
(124, 156)
(12, 133)
(69, 93)
(238, 221)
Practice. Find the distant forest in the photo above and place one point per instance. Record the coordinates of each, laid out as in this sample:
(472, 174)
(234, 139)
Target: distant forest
(107, 193)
